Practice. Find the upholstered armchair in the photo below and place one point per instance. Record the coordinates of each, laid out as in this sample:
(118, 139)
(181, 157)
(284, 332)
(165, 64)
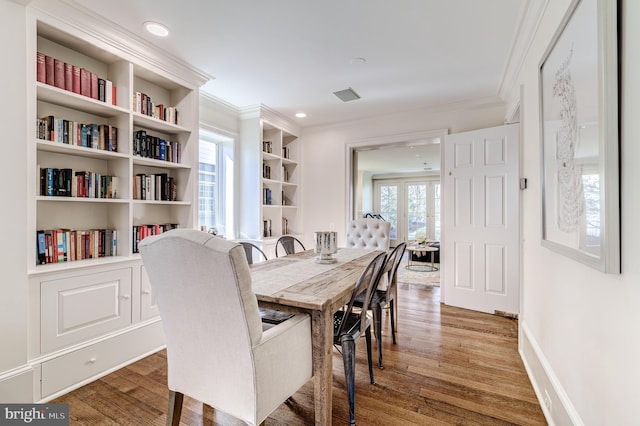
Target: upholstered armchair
(217, 350)
(368, 233)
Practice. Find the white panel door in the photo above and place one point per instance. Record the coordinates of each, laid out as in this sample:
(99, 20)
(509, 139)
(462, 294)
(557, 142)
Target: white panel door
(481, 239)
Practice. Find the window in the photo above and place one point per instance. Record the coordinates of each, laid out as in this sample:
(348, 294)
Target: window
(215, 184)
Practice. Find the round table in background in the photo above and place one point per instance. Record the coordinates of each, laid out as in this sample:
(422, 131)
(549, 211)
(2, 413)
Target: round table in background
(411, 265)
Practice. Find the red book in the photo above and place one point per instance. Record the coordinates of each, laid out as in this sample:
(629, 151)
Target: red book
(94, 85)
(75, 73)
(113, 95)
(85, 82)
(41, 68)
(68, 77)
(50, 70)
(58, 73)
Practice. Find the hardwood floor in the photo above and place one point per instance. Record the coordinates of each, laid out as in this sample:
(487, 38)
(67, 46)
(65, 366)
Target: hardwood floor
(449, 366)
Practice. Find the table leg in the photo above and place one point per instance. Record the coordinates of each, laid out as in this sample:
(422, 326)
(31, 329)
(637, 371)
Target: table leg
(322, 338)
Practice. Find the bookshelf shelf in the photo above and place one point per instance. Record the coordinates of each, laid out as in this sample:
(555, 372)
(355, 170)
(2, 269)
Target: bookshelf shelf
(65, 98)
(157, 124)
(79, 151)
(141, 161)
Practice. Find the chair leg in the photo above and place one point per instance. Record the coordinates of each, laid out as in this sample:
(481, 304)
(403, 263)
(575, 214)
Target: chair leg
(175, 408)
(367, 335)
(393, 320)
(377, 329)
(349, 360)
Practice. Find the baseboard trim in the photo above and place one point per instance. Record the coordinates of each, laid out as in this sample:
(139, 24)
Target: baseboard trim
(17, 386)
(545, 383)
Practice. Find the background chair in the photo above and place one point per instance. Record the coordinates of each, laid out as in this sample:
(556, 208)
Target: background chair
(217, 351)
(252, 250)
(368, 233)
(385, 294)
(289, 243)
(348, 327)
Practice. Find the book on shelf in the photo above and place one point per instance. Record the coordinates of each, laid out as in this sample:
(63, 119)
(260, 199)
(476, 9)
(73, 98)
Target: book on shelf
(148, 146)
(140, 232)
(266, 228)
(267, 146)
(97, 136)
(285, 226)
(285, 152)
(154, 187)
(50, 70)
(41, 68)
(72, 78)
(65, 182)
(266, 196)
(142, 104)
(58, 73)
(66, 245)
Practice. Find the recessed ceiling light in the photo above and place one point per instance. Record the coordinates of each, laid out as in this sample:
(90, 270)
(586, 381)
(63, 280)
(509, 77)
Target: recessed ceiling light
(156, 29)
(301, 114)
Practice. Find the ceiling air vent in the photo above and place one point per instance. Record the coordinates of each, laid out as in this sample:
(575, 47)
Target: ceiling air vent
(347, 95)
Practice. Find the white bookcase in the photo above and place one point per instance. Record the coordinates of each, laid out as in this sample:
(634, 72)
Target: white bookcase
(90, 316)
(272, 193)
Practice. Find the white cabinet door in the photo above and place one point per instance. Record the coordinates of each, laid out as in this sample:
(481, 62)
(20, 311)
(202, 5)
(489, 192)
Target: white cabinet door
(82, 307)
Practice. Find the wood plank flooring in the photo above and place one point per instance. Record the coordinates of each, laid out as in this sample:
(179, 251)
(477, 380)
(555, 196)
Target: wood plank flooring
(449, 366)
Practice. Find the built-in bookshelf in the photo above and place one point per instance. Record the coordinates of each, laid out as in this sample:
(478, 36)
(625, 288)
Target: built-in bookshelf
(106, 170)
(271, 147)
(115, 138)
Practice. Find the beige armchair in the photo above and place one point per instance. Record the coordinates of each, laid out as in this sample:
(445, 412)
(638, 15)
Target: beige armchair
(217, 350)
(368, 233)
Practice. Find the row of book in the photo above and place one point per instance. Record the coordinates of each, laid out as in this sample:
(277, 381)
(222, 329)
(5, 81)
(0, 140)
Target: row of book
(142, 104)
(65, 182)
(154, 187)
(285, 226)
(266, 228)
(266, 171)
(266, 196)
(66, 76)
(140, 232)
(285, 152)
(267, 146)
(67, 245)
(96, 136)
(148, 146)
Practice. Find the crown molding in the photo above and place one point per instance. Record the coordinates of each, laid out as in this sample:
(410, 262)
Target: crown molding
(83, 23)
(270, 116)
(526, 30)
(209, 98)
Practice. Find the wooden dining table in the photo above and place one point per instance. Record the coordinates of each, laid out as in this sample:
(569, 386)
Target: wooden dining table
(298, 283)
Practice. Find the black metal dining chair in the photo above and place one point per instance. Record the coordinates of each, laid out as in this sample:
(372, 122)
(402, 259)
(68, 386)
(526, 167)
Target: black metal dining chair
(383, 297)
(349, 326)
(250, 249)
(289, 244)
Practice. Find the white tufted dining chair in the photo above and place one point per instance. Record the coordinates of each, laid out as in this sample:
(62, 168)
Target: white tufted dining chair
(368, 233)
(218, 350)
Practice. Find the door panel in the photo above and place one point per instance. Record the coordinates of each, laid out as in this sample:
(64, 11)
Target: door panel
(481, 195)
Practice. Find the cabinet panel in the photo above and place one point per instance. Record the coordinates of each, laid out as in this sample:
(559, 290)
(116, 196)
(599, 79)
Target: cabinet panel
(148, 304)
(85, 306)
(97, 359)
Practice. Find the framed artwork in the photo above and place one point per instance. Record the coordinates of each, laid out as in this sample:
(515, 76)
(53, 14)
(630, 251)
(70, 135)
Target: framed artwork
(578, 81)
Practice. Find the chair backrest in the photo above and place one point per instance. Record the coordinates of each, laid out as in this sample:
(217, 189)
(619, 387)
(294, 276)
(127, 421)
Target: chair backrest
(209, 311)
(368, 233)
(288, 243)
(250, 250)
(366, 284)
(394, 259)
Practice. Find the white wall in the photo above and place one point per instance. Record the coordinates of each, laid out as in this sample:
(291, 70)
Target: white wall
(324, 179)
(579, 328)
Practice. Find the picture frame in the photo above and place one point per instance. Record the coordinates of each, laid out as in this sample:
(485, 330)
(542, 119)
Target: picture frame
(579, 129)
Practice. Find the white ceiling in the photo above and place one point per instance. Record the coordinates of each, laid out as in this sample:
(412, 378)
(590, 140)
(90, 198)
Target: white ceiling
(291, 55)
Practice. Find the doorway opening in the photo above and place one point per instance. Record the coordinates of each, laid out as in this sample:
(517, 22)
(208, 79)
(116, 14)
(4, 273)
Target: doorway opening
(398, 177)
